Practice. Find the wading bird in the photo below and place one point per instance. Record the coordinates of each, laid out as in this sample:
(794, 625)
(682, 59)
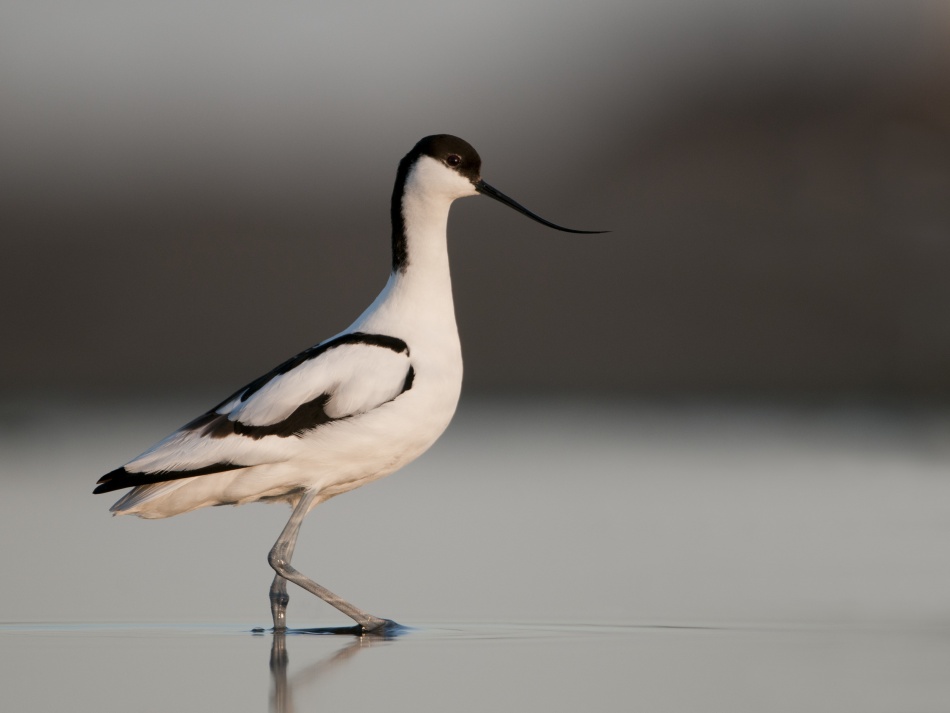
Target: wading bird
(345, 412)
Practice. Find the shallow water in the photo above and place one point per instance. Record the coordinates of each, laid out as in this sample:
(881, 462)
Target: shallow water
(475, 667)
(549, 556)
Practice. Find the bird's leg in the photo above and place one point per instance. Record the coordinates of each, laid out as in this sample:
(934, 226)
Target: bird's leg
(279, 599)
(278, 591)
(278, 588)
(279, 559)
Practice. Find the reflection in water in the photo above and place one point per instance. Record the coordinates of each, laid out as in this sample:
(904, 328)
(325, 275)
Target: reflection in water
(282, 694)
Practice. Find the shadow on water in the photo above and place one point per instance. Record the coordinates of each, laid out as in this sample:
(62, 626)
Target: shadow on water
(284, 686)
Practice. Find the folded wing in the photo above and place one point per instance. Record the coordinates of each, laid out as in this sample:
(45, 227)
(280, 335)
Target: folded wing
(347, 376)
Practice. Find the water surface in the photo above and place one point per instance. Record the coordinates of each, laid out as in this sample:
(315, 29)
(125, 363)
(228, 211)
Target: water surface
(548, 556)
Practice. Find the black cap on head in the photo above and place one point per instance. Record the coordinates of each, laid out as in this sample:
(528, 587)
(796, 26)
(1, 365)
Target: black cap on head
(450, 150)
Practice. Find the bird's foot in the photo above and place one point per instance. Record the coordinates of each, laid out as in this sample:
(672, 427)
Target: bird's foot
(385, 628)
(376, 628)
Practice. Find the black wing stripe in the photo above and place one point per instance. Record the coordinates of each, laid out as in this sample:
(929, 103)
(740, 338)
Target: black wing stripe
(121, 478)
(216, 427)
(304, 418)
(376, 340)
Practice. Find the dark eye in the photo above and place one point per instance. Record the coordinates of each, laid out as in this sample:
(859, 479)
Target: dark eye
(453, 159)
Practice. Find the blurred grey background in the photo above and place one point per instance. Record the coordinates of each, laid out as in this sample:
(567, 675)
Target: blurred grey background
(191, 192)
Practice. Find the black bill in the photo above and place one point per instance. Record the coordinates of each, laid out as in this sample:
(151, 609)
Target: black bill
(487, 190)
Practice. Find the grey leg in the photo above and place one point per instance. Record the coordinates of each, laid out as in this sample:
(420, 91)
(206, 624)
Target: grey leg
(278, 602)
(278, 588)
(278, 593)
(279, 559)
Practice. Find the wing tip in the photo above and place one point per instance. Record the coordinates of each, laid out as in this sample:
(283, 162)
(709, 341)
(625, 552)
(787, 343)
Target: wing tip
(122, 478)
(113, 480)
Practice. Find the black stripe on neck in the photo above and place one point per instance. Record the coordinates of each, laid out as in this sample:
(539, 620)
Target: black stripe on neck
(400, 241)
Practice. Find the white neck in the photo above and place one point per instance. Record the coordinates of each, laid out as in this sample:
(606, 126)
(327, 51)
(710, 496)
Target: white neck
(418, 296)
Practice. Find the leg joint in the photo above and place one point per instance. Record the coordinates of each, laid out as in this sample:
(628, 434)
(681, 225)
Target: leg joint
(278, 561)
(280, 598)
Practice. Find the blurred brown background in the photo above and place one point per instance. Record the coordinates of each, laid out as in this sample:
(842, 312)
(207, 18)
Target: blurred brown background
(192, 192)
